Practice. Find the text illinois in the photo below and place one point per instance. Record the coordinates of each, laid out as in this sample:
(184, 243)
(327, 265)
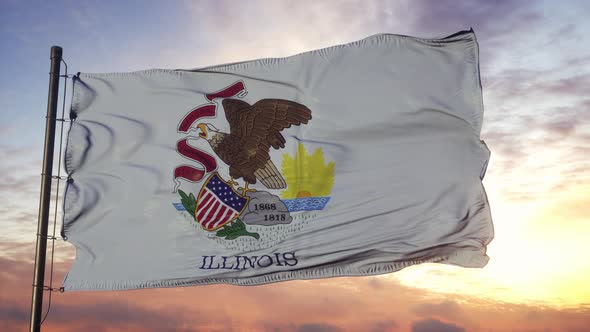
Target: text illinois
(248, 262)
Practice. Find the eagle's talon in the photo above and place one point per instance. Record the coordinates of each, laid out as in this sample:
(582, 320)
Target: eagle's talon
(233, 183)
(247, 190)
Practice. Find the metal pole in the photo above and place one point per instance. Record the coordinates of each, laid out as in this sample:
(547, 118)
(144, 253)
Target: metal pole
(43, 222)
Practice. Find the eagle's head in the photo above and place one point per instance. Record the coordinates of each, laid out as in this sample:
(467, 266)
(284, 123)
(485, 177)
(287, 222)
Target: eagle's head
(205, 128)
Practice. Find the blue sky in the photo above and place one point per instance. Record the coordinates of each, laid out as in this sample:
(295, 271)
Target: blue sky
(535, 67)
(94, 37)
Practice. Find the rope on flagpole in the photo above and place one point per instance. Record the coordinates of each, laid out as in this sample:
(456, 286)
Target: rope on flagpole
(59, 178)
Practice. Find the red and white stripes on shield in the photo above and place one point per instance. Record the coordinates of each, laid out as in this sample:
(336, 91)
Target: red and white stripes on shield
(218, 203)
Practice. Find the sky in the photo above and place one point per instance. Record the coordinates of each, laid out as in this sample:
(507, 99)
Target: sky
(535, 69)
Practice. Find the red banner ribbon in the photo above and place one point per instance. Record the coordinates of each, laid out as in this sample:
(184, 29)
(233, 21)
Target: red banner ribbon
(197, 155)
(194, 115)
(236, 89)
(188, 173)
(204, 159)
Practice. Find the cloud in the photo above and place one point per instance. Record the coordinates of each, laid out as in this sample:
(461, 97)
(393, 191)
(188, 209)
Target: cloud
(97, 317)
(445, 309)
(376, 283)
(384, 326)
(497, 24)
(522, 84)
(13, 319)
(246, 30)
(19, 194)
(535, 126)
(340, 304)
(433, 16)
(434, 325)
(319, 327)
(578, 61)
(568, 86)
(123, 315)
(89, 312)
(237, 32)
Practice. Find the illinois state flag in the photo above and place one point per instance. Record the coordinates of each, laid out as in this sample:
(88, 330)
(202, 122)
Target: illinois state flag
(357, 159)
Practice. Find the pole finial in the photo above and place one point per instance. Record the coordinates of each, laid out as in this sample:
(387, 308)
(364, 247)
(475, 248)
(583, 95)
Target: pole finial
(56, 52)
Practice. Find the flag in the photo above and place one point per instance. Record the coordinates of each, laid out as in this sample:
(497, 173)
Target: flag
(356, 159)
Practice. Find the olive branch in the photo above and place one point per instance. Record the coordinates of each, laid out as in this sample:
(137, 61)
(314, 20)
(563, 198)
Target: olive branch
(234, 230)
(189, 202)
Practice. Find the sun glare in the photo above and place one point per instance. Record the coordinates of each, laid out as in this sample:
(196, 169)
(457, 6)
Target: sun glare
(539, 255)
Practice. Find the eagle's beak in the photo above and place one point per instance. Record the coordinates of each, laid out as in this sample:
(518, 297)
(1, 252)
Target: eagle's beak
(203, 133)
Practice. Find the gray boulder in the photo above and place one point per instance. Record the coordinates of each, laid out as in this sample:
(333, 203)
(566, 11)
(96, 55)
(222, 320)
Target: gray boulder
(265, 209)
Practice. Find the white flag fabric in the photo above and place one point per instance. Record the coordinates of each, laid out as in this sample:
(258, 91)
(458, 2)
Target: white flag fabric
(357, 159)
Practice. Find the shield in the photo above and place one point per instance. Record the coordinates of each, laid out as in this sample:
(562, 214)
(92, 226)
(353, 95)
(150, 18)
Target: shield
(218, 203)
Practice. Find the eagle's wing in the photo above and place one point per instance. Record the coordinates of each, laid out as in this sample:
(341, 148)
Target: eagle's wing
(259, 127)
(281, 114)
(265, 119)
(235, 112)
(262, 122)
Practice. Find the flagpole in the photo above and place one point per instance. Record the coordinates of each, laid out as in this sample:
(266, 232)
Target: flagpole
(46, 176)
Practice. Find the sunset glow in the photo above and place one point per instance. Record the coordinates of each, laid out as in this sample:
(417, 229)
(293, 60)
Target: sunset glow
(535, 70)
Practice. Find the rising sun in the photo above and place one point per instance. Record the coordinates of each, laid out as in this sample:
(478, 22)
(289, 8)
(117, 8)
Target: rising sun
(307, 175)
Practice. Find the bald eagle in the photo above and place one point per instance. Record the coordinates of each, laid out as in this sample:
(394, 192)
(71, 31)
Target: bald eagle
(253, 130)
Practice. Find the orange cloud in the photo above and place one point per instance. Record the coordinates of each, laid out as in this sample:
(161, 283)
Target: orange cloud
(378, 304)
